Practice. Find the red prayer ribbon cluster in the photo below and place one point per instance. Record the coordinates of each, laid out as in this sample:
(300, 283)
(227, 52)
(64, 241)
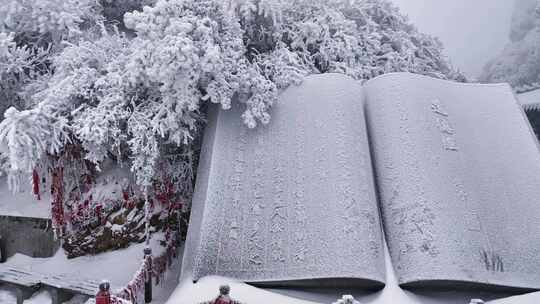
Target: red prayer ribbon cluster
(57, 193)
(134, 291)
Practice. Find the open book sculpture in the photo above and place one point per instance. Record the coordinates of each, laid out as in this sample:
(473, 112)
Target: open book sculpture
(450, 172)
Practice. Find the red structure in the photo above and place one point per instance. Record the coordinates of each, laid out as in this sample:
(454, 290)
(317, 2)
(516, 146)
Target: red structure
(103, 296)
(57, 193)
(35, 182)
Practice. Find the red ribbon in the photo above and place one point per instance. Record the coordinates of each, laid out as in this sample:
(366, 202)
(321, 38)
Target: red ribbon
(35, 181)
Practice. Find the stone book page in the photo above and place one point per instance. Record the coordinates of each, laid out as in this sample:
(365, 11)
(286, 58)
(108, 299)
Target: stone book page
(291, 202)
(458, 173)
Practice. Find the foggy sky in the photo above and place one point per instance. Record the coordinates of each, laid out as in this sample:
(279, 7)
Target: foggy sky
(473, 31)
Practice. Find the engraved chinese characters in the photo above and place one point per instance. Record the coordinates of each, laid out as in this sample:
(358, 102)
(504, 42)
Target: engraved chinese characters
(457, 166)
(294, 200)
(444, 125)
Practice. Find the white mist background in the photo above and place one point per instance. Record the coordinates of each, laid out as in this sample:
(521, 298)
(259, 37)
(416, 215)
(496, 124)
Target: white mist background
(473, 31)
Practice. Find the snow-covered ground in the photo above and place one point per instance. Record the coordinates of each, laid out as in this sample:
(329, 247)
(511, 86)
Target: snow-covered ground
(42, 297)
(117, 266)
(531, 298)
(6, 296)
(207, 288)
(23, 203)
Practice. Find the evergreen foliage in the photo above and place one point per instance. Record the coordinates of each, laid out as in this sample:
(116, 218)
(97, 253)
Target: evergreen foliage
(132, 88)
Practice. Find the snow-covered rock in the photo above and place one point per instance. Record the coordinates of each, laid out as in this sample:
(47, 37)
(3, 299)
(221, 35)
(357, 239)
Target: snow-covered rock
(7, 296)
(531, 298)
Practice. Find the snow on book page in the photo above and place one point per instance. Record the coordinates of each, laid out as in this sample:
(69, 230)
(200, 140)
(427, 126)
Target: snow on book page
(291, 202)
(458, 171)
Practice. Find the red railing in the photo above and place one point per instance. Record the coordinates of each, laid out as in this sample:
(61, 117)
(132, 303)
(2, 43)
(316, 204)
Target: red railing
(135, 291)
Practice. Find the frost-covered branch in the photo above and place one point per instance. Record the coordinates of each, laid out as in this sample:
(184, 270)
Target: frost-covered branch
(134, 90)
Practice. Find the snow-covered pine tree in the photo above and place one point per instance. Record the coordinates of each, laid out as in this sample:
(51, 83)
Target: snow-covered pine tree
(133, 90)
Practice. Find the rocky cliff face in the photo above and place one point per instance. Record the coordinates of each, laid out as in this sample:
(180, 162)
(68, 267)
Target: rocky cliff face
(119, 228)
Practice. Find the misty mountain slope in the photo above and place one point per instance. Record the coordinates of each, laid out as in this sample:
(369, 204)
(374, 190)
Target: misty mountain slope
(519, 63)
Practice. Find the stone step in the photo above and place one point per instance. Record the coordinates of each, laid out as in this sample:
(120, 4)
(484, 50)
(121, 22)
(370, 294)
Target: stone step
(61, 287)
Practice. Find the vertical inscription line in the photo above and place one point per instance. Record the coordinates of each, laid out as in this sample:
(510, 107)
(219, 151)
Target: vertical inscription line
(231, 230)
(255, 241)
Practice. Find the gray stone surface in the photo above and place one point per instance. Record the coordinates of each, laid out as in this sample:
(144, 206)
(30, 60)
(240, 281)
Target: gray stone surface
(458, 170)
(22, 292)
(67, 285)
(292, 202)
(58, 296)
(199, 196)
(26, 235)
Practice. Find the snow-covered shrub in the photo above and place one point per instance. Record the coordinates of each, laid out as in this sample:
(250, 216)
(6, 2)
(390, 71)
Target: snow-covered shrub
(19, 65)
(135, 91)
(138, 95)
(346, 299)
(28, 136)
(55, 17)
(114, 10)
(362, 38)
